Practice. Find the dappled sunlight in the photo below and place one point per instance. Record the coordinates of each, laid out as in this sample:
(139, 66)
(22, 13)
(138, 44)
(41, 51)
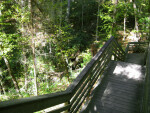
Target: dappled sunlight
(133, 37)
(130, 71)
(117, 90)
(55, 54)
(95, 108)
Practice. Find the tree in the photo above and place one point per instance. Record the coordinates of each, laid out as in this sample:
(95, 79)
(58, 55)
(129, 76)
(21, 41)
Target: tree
(33, 47)
(68, 10)
(136, 21)
(7, 40)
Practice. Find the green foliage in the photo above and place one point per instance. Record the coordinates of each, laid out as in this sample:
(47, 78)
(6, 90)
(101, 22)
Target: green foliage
(86, 58)
(105, 15)
(62, 44)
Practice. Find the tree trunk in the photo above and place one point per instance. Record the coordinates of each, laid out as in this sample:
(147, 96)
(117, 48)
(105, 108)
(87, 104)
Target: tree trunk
(25, 71)
(12, 76)
(97, 21)
(52, 11)
(23, 5)
(33, 48)
(124, 34)
(82, 15)
(115, 2)
(60, 19)
(34, 66)
(0, 89)
(68, 10)
(149, 18)
(136, 22)
(67, 68)
(2, 86)
(125, 17)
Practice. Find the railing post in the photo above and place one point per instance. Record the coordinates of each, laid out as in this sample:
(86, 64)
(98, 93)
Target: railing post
(146, 98)
(112, 57)
(67, 111)
(74, 96)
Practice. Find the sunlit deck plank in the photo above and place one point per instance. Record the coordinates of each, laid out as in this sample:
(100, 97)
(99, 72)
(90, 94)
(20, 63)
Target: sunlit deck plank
(119, 91)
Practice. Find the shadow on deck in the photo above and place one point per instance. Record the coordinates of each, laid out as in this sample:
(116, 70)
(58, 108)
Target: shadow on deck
(120, 90)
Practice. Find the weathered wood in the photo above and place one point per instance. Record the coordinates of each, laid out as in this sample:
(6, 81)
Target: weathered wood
(76, 92)
(119, 46)
(97, 70)
(138, 58)
(94, 73)
(117, 95)
(79, 92)
(126, 50)
(138, 42)
(131, 44)
(89, 86)
(33, 104)
(58, 110)
(78, 80)
(146, 97)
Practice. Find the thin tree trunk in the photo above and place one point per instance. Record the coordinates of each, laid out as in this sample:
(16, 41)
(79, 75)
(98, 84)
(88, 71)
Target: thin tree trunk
(23, 5)
(136, 22)
(60, 19)
(47, 80)
(25, 71)
(3, 88)
(149, 18)
(82, 15)
(124, 35)
(33, 49)
(115, 2)
(52, 11)
(0, 89)
(12, 76)
(125, 17)
(68, 10)
(66, 65)
(97, 21)
(34, 66)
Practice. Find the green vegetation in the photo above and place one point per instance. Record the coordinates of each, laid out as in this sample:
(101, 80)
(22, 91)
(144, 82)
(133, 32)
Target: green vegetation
(44, 44)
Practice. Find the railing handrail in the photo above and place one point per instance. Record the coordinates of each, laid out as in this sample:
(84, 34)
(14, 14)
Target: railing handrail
(74, 85)
(146, 98)
(127, 48)
(35, 103)
(32, 104)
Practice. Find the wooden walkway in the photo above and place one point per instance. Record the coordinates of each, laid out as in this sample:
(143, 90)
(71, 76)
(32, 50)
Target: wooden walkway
(123, 86)
(120, 90)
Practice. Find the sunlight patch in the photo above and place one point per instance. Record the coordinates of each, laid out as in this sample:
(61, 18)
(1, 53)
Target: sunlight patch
(131, 71)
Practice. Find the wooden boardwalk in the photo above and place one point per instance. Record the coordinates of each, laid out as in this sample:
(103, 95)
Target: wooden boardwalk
(120, 90)
(136, 58)
(123, 86)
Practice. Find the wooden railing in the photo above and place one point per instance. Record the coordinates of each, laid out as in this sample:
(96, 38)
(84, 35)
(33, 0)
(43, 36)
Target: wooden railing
(83, 84)
(146, 97)
(71, 99)
(136, 47)
(142, 47)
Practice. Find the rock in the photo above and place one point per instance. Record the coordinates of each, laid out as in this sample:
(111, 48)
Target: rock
(133, 37)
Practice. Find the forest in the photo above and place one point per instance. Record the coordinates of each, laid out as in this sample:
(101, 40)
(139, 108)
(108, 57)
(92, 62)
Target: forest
(44, 44)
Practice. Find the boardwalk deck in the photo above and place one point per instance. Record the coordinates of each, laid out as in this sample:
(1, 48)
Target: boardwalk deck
(137, 58)
(119, 91)
(123, 87)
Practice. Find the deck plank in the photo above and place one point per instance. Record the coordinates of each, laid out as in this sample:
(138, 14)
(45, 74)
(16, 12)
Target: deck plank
(137, 58)
(119, 90)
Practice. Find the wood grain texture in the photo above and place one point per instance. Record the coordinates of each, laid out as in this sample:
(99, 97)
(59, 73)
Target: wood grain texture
(119, 91)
